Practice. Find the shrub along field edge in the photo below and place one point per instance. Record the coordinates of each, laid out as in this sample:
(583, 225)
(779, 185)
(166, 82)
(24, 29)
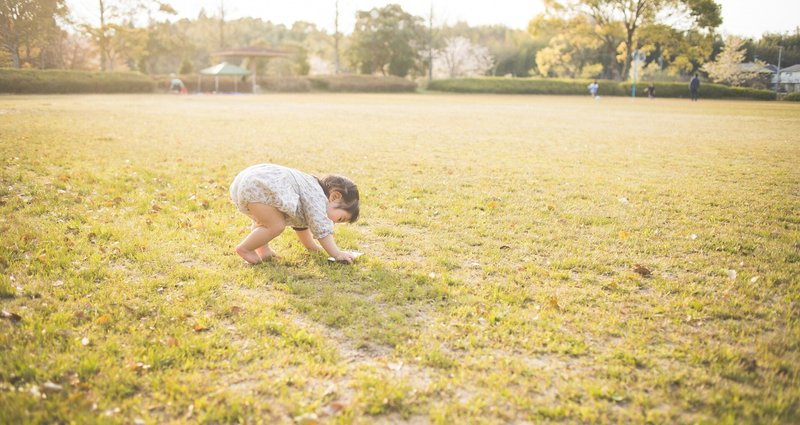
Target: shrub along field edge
(578, 87)
(327, 83)
(28, 81)
(53, 81)
(792, 97)
(34, 81)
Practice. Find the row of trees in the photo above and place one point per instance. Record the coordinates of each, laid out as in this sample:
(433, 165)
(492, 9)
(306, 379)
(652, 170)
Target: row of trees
(572, 38)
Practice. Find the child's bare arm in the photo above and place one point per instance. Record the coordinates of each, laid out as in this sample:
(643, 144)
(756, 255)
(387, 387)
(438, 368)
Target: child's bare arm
(307, 240)
(330, 247)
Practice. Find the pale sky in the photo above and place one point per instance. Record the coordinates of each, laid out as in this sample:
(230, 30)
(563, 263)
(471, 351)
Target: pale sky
(740, 17)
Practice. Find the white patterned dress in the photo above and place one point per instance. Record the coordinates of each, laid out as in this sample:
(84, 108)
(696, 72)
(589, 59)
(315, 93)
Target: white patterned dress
(296, 194)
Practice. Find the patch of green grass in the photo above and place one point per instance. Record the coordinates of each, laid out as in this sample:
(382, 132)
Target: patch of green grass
(506, 240)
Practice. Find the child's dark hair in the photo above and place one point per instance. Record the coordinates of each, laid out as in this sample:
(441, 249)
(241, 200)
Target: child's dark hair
(348, 189)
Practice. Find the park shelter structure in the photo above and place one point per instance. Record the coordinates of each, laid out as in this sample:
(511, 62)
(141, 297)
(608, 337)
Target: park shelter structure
(223, 69)
(251, 54)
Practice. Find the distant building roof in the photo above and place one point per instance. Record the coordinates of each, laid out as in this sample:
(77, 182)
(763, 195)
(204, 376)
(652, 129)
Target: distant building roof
(755, 67)
(224, 68)
(250, 52)
(793, 68)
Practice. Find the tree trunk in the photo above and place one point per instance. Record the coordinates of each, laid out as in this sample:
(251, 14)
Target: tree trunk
(15, 57)
(101, 39)
(10, 39)
(13, 49)
(336, 39)
(628, 51)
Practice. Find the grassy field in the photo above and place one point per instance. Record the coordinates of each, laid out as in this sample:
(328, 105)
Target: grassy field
(528, 260)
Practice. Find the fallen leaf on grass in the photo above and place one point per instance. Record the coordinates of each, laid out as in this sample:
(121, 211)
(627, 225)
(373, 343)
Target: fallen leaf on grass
(138, 366)
(307, 419)
(333, 408)
(624, 235)
(14, 317)
(554, 303)
(102, 320)
(641, 270)
(172, 341)
(395, 366)
(330, 389)
(51, 387)
(189, 412)
(199, 328)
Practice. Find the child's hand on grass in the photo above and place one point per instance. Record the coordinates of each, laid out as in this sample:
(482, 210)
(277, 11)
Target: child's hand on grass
(345, 257)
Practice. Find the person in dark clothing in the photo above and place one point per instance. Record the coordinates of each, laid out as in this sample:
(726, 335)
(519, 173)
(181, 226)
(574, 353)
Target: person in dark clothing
(651, 91)
(694, 87)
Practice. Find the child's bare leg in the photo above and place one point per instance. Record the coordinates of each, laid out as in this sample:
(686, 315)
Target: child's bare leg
(263, 251)
(269, 223)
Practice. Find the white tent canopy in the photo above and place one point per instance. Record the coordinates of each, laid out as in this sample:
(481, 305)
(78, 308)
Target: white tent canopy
(224, 69)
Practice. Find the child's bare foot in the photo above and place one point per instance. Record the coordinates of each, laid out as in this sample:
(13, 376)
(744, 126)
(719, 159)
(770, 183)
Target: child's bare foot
(265, 252)
(251, 257)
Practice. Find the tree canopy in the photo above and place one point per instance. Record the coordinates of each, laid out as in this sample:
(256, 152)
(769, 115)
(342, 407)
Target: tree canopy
(607, 32)
(30, 26)
(572, 39)
(386, 40)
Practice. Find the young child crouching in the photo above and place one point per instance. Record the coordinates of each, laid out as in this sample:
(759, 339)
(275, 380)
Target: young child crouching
(275, 197)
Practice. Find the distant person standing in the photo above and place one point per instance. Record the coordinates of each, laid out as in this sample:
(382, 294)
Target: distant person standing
(694, 87)
(651, 91)
(593, 89)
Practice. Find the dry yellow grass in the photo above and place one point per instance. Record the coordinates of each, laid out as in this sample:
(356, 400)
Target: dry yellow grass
(507, 240)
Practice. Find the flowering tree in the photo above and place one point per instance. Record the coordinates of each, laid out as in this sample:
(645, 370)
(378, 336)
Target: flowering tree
(461, 58)
(726, 68)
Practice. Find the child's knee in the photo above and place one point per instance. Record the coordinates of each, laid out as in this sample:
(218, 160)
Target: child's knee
(274, 226)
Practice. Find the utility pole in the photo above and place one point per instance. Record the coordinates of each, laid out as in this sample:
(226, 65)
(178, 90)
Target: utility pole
(778, 74)
(430, 45)
(221, 24)
(635, 71)
(106, 64)
(336, 37)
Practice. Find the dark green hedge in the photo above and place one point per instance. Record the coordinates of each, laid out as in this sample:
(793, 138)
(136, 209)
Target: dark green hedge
(330, 83)
(34, 81)
(525, 86)
(578, 87)
(362, 84)
(707, 91)
(793, 97)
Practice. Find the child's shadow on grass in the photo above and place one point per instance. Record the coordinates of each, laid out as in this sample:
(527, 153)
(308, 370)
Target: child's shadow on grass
(367, 301)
